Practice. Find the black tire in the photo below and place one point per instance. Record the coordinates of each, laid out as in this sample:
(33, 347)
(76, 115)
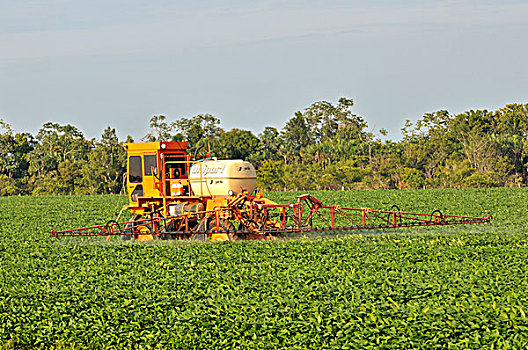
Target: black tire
(129, 228)
(209, 224)
(239, 236)
(204, 226)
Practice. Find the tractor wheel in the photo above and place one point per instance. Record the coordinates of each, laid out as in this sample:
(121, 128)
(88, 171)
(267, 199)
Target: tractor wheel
(239, 236)
(203, 226)
(129, 229)
(225, 231)
(144, 233)
(140, 233)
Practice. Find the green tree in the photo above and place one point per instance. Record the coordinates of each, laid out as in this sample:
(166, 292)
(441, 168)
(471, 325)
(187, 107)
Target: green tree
(295, 135)
(270, 175)
(325, 120)
(512, 126)
(239, 144)
(202, 129)
(7, 149)
(428, 144)
(270, 143)
(14, 165)
(159, 129)
(103, 172)
(411, 178)
(57, 159)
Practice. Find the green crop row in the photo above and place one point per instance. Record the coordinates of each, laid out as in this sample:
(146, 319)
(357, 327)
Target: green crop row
(443, 287)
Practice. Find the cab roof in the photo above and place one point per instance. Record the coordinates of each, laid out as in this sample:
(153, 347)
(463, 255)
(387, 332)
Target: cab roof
(156, 146)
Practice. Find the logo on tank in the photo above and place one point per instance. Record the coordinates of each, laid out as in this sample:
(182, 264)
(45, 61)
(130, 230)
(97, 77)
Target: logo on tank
(208, 169)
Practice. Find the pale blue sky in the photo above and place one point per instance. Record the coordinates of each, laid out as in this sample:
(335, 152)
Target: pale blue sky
(254, 63)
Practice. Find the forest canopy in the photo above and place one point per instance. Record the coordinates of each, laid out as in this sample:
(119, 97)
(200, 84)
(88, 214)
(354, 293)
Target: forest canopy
(324, 146)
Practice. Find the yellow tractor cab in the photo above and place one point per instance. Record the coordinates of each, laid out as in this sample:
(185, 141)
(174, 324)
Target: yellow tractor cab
(156, 171)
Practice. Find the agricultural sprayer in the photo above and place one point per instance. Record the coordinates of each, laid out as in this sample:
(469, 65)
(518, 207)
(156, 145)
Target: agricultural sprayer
(174, 195)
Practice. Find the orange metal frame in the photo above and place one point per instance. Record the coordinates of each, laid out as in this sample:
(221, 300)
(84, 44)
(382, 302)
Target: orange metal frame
(268, 220)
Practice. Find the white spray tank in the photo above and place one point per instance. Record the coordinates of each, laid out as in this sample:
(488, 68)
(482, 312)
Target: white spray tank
(213, 177)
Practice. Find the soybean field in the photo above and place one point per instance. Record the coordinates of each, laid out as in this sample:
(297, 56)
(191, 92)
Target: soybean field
(445, 287)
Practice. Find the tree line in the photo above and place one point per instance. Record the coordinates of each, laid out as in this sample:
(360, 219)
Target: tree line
(324, 146)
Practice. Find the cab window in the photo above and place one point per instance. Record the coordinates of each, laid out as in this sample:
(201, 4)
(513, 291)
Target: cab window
(134, 169)
(150, 162)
